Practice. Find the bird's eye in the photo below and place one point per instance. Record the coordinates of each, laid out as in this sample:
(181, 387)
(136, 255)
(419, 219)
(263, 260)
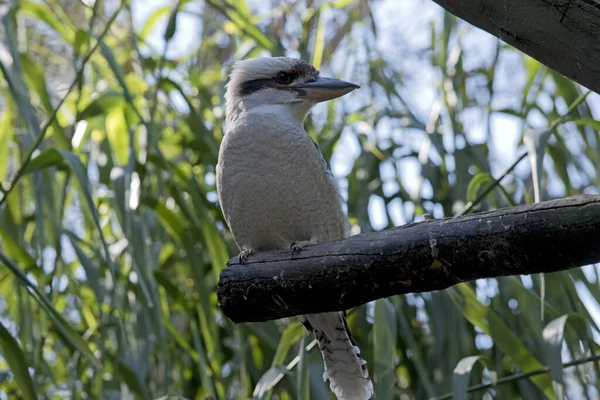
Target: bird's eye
(283, 77)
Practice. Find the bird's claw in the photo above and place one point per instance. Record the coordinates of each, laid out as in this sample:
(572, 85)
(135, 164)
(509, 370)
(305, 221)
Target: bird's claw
(244, 254)
(298, 246)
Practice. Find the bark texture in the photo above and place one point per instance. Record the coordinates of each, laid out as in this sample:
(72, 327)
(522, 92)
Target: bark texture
(431, 255)
(562, 34)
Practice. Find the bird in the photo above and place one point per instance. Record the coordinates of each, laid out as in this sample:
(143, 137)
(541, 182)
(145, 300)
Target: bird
(276, 190)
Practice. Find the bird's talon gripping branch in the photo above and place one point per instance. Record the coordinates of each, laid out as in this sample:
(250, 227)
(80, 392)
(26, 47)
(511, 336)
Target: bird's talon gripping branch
(244, 254)
(298, 246)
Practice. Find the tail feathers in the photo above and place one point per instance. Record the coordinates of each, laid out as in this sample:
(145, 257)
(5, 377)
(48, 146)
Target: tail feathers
(346, 371)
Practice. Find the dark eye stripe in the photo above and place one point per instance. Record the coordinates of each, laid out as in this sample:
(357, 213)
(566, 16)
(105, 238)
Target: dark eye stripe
(300, 68)
(255, 85)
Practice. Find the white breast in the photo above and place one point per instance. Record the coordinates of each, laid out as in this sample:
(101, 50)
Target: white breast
(273, 187)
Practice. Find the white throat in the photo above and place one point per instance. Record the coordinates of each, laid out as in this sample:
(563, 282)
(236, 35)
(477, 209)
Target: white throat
(296, 111)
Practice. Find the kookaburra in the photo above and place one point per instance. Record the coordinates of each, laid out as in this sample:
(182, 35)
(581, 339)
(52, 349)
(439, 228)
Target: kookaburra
(276, 190)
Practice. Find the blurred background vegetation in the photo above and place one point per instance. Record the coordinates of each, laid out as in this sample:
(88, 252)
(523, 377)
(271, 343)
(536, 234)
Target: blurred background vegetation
(111, 240)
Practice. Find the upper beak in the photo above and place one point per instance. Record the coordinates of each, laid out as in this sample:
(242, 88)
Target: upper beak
(323, 89)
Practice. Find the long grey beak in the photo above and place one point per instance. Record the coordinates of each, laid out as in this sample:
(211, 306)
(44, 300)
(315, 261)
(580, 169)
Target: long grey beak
(323, 89)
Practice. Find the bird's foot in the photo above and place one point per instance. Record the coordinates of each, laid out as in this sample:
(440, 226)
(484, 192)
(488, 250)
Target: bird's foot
(298, 246)
(244, 254)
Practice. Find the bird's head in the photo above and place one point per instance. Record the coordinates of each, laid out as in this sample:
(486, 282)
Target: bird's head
(281, 83)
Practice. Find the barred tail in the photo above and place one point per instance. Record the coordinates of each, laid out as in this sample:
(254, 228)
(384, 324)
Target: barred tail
(346, 371)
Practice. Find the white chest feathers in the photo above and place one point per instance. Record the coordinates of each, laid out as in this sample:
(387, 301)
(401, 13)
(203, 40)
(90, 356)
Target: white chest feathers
(274, 186)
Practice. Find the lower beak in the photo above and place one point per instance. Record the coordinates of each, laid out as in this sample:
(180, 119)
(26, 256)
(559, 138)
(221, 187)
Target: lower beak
(323, 89)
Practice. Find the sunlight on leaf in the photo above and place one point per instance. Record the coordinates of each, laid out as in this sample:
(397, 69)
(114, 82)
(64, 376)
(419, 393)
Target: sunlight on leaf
(462, 374)
(554, 333)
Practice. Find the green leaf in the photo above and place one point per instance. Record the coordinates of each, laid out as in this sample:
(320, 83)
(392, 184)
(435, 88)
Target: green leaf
(171, 24)
(51, 157)
(462, 374)
(274, 374)
(340, 3)
(152, 20)
(92, 270)
(593, 123)
(13, 73)
(490, 323)
(102, 105)
(302, 387)
(241, 18)
(578, 101)
(117, 132)
(181, 341)
(417, 360)
(535, 142)
(34, 75)
(108, 54)
(16, 252)
(15, 358)
(172, 221)
(206, 375)
(561, 158)
(44, 13)
(82, 41)
(553, 334)
(127, 373)
(384, 349)
(567, 89)
(476, 183)
(47, 158)
(70, 336)
(319, 43)
(6, 135)
(216, 246)
(290, 336)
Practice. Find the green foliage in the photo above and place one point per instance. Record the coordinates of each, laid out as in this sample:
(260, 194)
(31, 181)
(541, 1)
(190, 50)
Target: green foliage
(13, 354)
(111, 240)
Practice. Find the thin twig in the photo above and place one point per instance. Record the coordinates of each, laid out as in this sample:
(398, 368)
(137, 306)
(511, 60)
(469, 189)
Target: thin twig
(518, 376)
(470, 205)
(563, 118)
(52, 118)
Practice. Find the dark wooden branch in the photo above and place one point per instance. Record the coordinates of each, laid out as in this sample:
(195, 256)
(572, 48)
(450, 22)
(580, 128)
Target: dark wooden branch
(431, 255)
(562, 34)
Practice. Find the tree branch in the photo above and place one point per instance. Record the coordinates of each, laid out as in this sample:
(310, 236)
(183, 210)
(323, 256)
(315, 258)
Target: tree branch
(560, 34)
(431, 255)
